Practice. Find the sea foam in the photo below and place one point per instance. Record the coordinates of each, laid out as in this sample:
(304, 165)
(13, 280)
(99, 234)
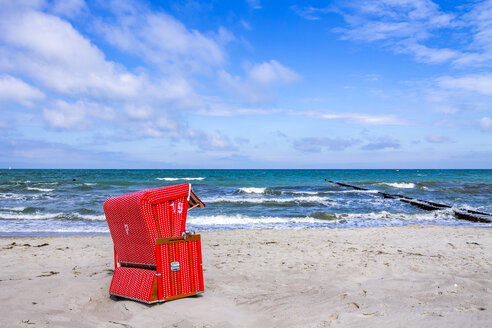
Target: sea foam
(176, 179)
(252, 190)
(39, 189)
(266, 200)
(239, 219)
(34, 216)
(13, 209)
(401, 185)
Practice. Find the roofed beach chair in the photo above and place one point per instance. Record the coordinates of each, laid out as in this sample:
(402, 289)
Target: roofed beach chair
(155, 259)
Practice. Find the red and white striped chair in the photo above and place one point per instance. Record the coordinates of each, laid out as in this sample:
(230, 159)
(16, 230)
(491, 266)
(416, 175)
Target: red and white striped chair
(155, 260)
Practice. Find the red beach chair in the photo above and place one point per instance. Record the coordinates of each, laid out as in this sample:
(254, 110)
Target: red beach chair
(155, 260)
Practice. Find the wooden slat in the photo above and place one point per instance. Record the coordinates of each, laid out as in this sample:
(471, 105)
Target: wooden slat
(163, 241)
(170, 298)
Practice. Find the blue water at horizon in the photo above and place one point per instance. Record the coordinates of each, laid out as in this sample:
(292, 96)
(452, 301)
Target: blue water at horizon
(69, 202)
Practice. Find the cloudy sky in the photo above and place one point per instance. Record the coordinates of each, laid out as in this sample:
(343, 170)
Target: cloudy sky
(246, 84)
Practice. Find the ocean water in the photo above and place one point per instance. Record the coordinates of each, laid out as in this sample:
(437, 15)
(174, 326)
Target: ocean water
(69, 202)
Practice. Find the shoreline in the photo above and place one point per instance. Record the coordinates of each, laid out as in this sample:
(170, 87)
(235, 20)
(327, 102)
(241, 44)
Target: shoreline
(413, 276)
(50, 234)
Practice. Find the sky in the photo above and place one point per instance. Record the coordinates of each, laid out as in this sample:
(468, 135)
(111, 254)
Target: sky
(246, 84)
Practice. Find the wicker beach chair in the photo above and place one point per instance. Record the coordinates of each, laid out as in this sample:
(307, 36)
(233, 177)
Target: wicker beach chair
(155, 260)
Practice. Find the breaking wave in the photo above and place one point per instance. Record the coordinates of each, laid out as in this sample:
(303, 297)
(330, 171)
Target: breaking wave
(240, 219)
(267, 200)
(252, 190)
(19, 215)
(371, 191)
(320, 220)
(400, 185)
(39, 189)
(176, 179)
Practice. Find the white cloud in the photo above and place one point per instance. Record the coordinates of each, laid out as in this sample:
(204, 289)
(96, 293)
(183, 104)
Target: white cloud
(75, 116)
(486, 124)
(382, 143)
(309, 12)
(356, 118)
(77, 86)
(9, 6)
(214, 142)
(136, 111)
(216, 107)
(425, 54)
(479, 83)
(316, 144)
(271, 73)
(246, 25)
(16, 90)
(412, 26)
(69, 8)
(386, 19)
(438, 139)
(65, 64)
(480, 20)
(83, 87)
(66, 116)
(51, 52)
(260, 78)
(454, 94)
(165, 41)
(254, 4)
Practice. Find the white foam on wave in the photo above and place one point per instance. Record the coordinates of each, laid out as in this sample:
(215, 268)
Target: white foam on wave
(260, 200)
(34, 216)
(401, 185)
(176, 179)
(253, 190)
(43, 229)
(306, 192)
(12, 196)
(54, 216)
(13, 209)
(239, 219)
(372, 219)
(100, 217)
(26, 197)
(39, 189)
(388, 218)
(470, 208)
(359, 191)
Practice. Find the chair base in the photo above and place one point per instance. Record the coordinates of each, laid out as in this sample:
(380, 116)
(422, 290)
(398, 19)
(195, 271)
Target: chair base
(178, 273)
(158, 301)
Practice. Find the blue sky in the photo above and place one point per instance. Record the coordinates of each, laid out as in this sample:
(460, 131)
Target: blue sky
(246, 84)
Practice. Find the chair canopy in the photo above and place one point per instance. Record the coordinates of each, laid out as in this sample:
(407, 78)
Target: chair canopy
(135, 220)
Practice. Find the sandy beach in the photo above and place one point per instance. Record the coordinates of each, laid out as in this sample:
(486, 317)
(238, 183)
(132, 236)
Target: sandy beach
(412, 276)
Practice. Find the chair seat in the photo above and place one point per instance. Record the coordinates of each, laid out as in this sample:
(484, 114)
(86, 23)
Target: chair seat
(135, 283)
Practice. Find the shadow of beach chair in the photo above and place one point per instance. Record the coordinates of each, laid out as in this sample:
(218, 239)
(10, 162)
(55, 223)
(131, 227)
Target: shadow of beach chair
(155, 259)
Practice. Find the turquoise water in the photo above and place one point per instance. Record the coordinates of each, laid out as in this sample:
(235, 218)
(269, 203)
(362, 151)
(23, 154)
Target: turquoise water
(69, 202)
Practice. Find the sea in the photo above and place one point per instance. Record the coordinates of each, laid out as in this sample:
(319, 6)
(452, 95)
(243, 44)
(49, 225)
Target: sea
(70, 202)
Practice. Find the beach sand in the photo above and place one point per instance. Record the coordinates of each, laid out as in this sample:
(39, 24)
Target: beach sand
(412, 276)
